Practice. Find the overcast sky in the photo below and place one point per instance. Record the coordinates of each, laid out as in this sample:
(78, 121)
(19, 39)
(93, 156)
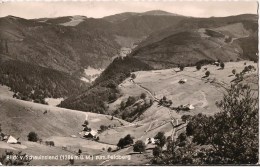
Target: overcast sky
(104, 8)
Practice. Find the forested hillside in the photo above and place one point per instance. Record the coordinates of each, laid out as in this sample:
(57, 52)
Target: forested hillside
(31, 82)
(105, 90)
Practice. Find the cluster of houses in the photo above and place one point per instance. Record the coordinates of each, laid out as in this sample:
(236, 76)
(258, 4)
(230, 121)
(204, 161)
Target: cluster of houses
(88, 132)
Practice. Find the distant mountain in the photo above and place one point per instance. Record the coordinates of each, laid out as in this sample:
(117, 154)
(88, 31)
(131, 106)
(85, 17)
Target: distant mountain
(120, 17)
(249, 21)
(71, 44)
(185, 42)
(126, 15)
(195, 39)
(74, 43)
(64, 48)
(144, 25)
(159, 13)
(132, 24)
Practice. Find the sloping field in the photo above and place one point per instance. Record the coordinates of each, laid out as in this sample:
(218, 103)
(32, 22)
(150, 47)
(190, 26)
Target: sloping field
(36, 149)
(18, 118)
(236, 30)
(21, 117)
(200, 91)
(87, 146)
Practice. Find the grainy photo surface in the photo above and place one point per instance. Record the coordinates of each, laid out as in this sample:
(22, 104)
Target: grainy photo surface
(129, 83)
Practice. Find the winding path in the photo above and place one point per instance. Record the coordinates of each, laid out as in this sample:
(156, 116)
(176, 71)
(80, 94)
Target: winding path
(146, 89)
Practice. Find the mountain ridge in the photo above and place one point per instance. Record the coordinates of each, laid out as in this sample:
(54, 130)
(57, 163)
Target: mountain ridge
(196, 40)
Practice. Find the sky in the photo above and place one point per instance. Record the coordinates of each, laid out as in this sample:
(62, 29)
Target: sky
(98, 9)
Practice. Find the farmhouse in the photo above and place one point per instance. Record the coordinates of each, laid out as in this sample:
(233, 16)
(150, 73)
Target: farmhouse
(216, 63)
(11, 140)
(91, 134)
(189, 106)
(185, 107)
(150, 141)
(182, 81)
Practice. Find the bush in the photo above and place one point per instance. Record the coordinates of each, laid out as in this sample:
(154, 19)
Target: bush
(121, 143)
(164, 98)
(52, 143)
(112, 97)
(182, 144)
(127, 140)
(234, 71)
(80, 151)
(103, 128)
(246, 69)
(151, 102)
(185, 118)
(157, 151)
(237, 76)
(161, 139)
(71, 161)
(143, 96)
(131, 100)
(86, 123)
(133, 76)
(109, 149)
(182, 137)
(207, 73)
(111, 84)
(198, 67)
(122, 105)
(87, 128)
(32, 136)
(222, 65)
(139, 146)
(182, 67)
